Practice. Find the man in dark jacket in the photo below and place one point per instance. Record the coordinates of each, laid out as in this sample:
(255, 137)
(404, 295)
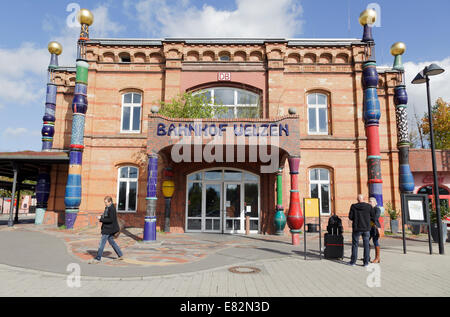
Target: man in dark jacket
(361, 214)
(110, 226)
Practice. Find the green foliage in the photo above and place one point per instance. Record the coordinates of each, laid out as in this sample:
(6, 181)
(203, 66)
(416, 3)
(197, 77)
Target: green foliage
(441, 124)
(188, 105)
(392, 212)
(445, 212)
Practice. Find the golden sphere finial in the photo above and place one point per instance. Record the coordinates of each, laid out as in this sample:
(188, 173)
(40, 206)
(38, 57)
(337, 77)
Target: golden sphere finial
(368, 16)
(55, 48)
(85, 17)
(398, 48)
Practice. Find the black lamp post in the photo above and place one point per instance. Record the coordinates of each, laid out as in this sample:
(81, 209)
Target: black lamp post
(423, 77)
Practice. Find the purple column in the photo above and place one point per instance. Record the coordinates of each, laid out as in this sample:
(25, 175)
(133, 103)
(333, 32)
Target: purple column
(47, 132)
(150, 217)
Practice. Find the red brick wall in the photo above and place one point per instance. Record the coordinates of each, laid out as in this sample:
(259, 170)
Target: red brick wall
(285, 75)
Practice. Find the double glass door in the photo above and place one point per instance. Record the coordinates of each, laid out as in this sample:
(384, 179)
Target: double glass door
(220, 206)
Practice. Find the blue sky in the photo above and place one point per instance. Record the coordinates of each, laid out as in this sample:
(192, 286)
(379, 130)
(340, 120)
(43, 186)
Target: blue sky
(32, 24)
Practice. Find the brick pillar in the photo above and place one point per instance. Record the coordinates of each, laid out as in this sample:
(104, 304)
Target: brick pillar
(173, 56)
(275, 79)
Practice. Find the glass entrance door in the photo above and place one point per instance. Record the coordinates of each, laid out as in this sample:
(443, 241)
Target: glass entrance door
(217, 200)
(233, 208)
(213, 203)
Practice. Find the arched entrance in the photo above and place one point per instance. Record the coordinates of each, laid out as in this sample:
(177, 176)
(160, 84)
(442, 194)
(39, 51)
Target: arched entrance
(217, 200)
(444, 194)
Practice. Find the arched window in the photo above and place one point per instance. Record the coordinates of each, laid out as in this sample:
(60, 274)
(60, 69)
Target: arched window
(317, 114)
(125, 58)
(131, 113)
(239, 103)
(127, 189)
(319, 187)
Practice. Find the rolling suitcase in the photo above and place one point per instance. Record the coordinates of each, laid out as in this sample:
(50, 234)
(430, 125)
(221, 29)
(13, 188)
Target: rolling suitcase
(334, 246)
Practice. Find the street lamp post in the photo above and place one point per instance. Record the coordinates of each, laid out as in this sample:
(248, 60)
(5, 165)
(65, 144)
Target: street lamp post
(424, 77)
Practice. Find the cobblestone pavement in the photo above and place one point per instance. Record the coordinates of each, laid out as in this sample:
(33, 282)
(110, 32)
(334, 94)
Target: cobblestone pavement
(35, 263)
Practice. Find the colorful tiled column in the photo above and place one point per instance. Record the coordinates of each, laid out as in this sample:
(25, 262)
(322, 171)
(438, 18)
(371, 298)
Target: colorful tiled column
(42, 194)
(168, 188)
(406, 179)
(280, 218)
(295, 217)
(372, 112)
(47, 132)
(150, 217)
(72, 198)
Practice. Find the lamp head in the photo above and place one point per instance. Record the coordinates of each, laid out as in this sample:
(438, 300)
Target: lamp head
(433, 70)
(419, 79)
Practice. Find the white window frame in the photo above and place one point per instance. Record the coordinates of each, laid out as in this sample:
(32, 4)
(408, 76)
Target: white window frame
(235, 105)
(319, 183)
(132, 106)
(127, 193)
(316, 108)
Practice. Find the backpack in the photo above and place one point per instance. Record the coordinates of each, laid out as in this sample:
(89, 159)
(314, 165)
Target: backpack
(335, 225)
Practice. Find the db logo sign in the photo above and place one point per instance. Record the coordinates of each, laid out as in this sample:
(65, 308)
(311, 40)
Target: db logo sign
(224, 76)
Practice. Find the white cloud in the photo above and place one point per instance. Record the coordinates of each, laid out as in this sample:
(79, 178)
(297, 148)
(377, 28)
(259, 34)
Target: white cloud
(23, 75)
(15, 131)
(439, 86)
(103, 25)
(23, 70)
(252, 18)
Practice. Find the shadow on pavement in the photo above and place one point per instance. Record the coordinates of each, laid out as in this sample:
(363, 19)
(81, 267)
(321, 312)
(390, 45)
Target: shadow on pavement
(21, 221)
(265, 240)
(131, 235)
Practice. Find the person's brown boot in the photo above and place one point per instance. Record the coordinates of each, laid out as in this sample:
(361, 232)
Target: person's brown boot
(377, 255)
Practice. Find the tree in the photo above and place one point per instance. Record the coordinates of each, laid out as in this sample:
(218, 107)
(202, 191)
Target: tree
(441, 124)
(414, 139)
(188, 105)
(416, 133)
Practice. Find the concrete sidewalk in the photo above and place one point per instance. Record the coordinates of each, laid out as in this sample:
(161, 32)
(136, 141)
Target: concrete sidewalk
(35, 261)
(51, 250)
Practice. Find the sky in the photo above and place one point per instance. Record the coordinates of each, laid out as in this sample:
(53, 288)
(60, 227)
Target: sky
(31, 24)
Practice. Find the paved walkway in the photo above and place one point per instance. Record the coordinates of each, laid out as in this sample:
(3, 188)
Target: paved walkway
(35, 259)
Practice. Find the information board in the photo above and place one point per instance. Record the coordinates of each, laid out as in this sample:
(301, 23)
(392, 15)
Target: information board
(312, 207)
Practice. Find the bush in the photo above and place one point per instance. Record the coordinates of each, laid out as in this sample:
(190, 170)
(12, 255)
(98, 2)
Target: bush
(392, 212)
(445, 212)
(188, 105)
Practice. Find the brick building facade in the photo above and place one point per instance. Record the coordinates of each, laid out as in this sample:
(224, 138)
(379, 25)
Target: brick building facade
(314, 86)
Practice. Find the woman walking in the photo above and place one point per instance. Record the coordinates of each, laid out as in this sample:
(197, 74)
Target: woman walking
(110, 226)
(374, 229)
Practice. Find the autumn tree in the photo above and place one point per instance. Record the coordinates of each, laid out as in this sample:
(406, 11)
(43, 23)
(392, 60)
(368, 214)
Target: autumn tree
(441, 124)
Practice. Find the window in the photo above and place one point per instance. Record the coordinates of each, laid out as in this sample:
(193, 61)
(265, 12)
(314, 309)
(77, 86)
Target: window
(224, 58)
(131, 113)
(317, 114)
(238, 102)
(125, 58)
(319, 185)
(127, 189)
